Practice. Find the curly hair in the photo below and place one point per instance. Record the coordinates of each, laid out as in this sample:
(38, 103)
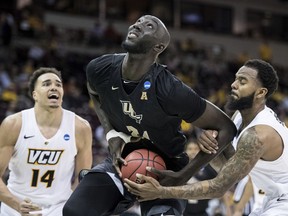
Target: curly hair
(267, 75)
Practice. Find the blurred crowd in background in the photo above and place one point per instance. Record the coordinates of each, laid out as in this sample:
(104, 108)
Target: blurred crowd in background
(206, 70)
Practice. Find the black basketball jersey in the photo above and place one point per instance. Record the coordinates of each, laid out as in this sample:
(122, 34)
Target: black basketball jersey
(153, 110)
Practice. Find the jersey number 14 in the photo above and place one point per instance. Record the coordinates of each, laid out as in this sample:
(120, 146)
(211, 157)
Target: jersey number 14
(46, 178)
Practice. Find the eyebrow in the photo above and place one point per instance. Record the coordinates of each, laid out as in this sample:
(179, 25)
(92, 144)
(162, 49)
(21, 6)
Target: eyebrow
(240, 76)
(149, 19)
(50, 80)
(155, 21)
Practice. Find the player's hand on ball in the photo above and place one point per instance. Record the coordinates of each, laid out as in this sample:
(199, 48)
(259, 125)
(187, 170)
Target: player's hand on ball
(167, 177)
(207, 141)
(137, 162)
(117, 141)
(149, 190)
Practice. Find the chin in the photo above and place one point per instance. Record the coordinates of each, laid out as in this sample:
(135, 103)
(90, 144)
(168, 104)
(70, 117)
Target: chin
(54, 106)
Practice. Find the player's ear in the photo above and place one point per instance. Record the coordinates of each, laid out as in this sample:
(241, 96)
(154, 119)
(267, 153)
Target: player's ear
(261, 92)
(159, 48)
(34, 95)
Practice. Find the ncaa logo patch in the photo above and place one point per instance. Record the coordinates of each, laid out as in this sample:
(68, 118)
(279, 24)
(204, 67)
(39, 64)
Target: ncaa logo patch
(66, 137)
(147, 84)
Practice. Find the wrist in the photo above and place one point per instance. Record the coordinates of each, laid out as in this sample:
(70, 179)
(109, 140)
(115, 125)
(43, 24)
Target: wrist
(163, 194)
(113, 133)
(14, 203)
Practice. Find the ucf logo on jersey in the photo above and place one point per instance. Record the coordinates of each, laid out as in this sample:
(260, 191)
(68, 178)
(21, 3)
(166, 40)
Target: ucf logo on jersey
(44, 157)
(128, 110)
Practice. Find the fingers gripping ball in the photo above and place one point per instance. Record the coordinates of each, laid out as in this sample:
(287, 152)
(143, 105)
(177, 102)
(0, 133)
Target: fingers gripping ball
(138, 160)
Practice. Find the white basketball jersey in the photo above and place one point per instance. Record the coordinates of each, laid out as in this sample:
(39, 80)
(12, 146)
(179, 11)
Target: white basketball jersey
(41, 168)
(269, 176)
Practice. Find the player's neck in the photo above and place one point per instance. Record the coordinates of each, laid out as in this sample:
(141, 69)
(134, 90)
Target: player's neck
(134, 67)
(249, 114)
(48, 117)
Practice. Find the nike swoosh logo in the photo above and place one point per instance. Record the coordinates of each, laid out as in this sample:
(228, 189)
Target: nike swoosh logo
(280, 199)
(114, 88)
(27, 137)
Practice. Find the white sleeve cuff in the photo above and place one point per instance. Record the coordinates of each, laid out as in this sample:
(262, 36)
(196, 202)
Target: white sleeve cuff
(123, 136)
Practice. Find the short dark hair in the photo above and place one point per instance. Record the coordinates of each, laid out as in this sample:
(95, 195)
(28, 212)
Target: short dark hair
(266, 74)
(36, 74)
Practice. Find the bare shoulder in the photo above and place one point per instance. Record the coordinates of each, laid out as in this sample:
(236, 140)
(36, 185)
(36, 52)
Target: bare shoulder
(259, 139)
(11, 125)
(266, 132)
(13, 121)
(272, 142)
(81, 124)
(251, 142)
(83, 133)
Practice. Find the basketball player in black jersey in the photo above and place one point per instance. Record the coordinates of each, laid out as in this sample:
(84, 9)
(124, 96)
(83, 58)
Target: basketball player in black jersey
(141, 104)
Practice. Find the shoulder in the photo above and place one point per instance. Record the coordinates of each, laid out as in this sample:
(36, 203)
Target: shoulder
(83, 133)
(99, 70)
(103, 62)
(266, 133)
(260, 135)
(81, 125)
(101, 59)
(95, 65)
(165, 74)
(13, 121)
(259, 138)
(166, 81)
(168, 85)
(11, 125)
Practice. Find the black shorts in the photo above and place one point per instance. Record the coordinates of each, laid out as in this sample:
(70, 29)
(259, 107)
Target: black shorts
(99, 192)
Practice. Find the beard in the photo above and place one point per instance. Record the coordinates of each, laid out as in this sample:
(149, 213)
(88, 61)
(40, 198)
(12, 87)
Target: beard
(240, 104)
(141, 47)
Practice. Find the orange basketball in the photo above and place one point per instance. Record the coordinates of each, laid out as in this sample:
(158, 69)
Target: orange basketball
(138, 160)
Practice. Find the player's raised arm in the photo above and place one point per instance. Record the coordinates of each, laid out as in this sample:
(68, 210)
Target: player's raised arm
(215, 119)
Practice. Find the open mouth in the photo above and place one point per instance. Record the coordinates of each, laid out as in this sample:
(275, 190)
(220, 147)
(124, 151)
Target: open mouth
(132, 35)
(53, 96)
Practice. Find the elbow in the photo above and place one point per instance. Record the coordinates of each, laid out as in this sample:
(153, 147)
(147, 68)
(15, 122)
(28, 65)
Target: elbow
(231, 130)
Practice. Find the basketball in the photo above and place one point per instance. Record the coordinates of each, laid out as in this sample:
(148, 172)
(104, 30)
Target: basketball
(138, 160)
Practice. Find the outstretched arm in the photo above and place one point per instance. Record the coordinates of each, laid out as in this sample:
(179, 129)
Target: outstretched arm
(250, 149)
(214, 119)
